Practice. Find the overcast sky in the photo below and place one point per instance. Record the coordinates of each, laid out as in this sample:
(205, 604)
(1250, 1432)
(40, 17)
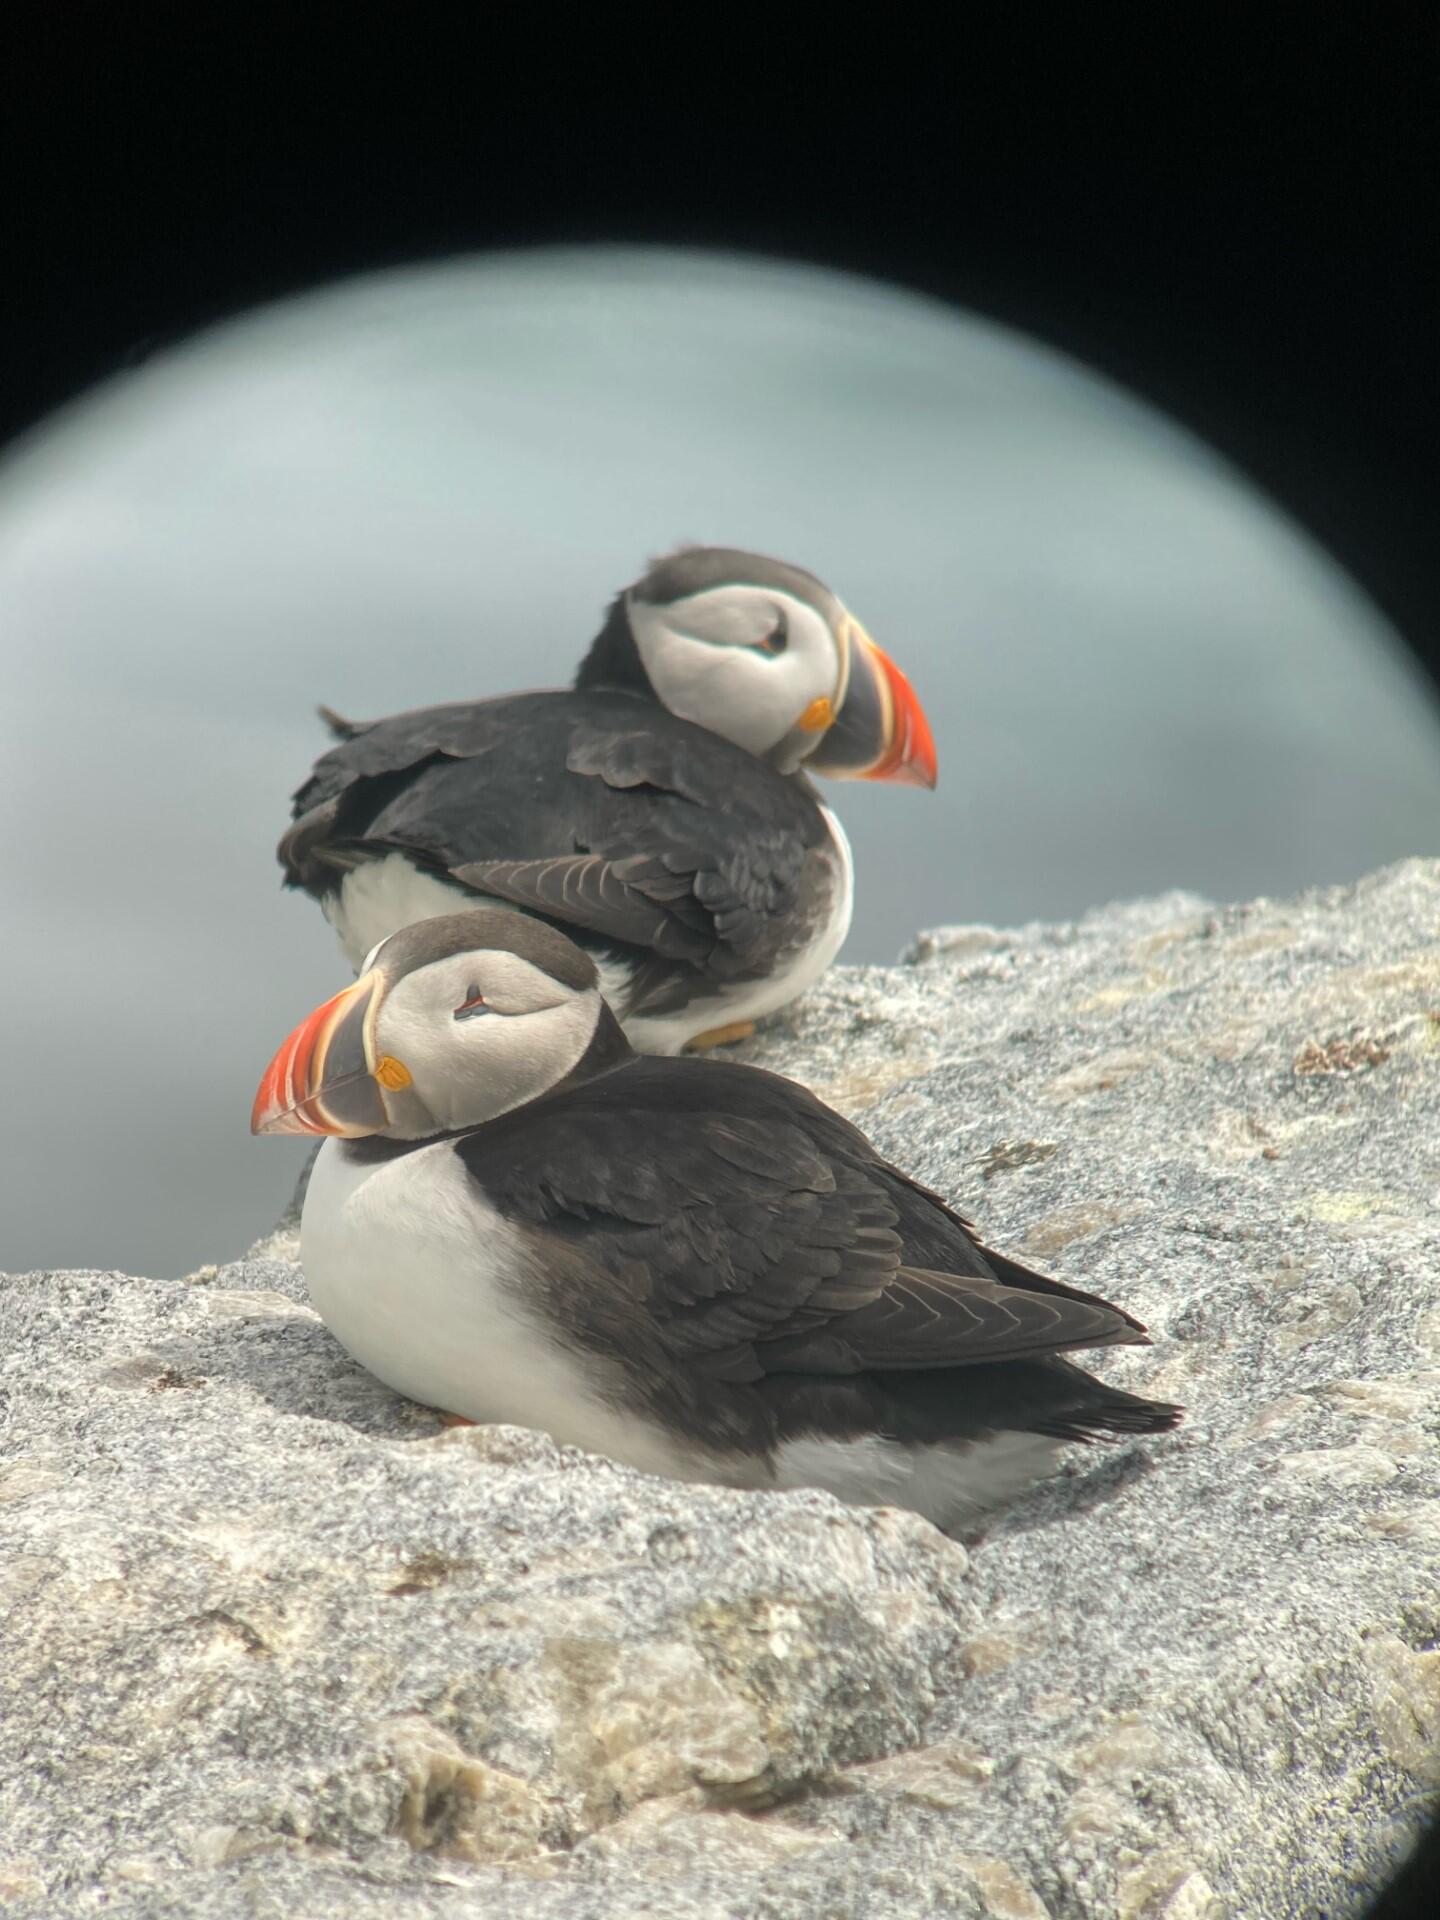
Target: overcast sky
(425, 486)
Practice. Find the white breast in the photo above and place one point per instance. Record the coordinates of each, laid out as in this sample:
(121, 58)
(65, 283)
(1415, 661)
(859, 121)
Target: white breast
(423, 1283)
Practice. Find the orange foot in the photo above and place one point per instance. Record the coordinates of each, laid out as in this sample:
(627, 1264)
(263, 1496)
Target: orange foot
(457, 1420)
(721, 1036)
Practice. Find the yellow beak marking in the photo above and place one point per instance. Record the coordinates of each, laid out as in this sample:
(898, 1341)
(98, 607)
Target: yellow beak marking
(817, 716)
(392, 1073)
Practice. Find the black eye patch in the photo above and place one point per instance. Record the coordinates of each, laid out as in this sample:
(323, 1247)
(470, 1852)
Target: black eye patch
(472, 1004)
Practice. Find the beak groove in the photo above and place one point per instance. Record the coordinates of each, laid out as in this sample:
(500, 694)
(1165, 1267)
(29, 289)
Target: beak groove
(320, 1080)
(879, 731)
(910, 757)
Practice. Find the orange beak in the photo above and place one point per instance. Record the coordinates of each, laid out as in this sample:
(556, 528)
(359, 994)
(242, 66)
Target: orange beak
(320, 1080)
(880, 731)
(910, 756)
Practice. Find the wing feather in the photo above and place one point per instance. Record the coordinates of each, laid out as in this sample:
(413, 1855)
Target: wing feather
(765, 1236)
(599, 810)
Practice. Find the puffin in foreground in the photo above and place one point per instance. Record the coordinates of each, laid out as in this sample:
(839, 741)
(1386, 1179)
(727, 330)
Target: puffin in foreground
(659, 811)
(691, 1266)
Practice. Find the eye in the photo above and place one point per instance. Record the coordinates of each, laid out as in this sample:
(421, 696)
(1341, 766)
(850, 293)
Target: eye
(472, 1004)
(777, 639)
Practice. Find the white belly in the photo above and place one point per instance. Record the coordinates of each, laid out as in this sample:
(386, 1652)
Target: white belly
(423, 1284)
(951, 1486)
(379, 897)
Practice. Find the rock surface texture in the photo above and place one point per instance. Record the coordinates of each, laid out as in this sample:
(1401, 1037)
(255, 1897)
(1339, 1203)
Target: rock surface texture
(275, 1643)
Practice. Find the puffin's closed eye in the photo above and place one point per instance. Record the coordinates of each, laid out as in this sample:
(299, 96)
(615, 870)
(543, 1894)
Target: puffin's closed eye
(778, 637)
(472, 1004)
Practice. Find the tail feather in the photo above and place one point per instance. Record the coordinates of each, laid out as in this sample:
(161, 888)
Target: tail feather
(1111, 1415)
(342, 728)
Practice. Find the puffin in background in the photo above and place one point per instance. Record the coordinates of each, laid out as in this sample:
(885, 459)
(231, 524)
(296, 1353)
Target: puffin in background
(693, 1267)
(659, 811)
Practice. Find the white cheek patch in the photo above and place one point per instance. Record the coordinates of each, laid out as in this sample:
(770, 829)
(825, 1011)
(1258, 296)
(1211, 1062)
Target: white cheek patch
(723, 618)
(510, 984)
(424, 1001)
(468, 1071)
(703, 660)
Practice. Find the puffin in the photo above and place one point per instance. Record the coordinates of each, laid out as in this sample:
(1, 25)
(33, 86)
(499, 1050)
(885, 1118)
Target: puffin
(689, 1265)
(659, 811)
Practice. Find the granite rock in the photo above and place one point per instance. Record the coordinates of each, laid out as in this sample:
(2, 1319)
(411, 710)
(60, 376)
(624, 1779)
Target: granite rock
(275, 1642)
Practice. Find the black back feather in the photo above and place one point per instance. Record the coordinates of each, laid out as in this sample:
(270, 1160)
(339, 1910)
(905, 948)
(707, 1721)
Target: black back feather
(753, 1240)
